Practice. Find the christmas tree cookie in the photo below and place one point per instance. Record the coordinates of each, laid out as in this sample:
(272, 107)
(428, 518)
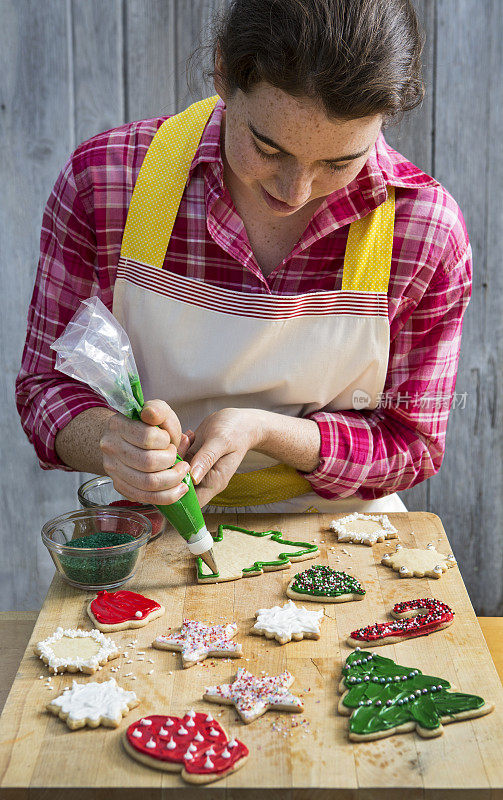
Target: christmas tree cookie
(382, 698)
(241, 553)
(323, 584)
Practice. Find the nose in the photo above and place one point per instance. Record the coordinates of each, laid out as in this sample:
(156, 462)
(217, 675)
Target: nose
(294, 185)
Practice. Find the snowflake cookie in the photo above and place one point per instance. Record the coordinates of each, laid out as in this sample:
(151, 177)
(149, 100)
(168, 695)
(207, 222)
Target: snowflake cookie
(76, 650)
(417, 563)
(195, 745)
(196, 641)
(253, 696)
(93, 704)
(363, 528)
(288, 622)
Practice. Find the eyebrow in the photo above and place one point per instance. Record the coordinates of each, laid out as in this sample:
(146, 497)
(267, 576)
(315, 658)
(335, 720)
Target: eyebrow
(271, 143)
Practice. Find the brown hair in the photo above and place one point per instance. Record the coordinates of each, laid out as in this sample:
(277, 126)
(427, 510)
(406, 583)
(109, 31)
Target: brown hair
(358, 57)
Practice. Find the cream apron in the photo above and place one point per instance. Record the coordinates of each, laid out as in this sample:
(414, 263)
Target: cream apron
(203, 348)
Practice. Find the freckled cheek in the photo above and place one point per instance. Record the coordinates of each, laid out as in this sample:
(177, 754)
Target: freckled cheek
(246, 164)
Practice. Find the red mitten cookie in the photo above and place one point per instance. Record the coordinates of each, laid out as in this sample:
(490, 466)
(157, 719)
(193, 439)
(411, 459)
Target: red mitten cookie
(195, 745)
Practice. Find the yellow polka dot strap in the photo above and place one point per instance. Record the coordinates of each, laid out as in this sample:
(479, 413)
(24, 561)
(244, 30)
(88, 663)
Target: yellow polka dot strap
(367, 261)
(161, 183)
(269, 485)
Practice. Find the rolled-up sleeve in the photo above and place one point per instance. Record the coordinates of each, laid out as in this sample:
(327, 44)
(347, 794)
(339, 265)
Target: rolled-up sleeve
(372, 454)
(46, 399)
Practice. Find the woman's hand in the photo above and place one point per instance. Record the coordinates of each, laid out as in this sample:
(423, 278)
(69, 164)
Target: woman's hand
(139, 456)
(219, 445)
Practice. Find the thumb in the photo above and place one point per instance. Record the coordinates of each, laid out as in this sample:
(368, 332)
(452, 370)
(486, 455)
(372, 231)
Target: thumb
(206, 458)
(153, 412)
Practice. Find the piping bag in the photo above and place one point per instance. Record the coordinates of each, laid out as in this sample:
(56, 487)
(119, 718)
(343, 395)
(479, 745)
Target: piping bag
(95, 349)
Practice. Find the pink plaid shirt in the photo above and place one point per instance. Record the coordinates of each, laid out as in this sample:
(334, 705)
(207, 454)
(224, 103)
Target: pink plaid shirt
(367, 453)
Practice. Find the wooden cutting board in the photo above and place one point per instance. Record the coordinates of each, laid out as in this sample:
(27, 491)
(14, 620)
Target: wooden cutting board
(291, 756)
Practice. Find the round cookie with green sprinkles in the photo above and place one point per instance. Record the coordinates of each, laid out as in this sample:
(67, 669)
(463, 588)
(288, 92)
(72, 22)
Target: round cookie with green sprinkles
(322, 584)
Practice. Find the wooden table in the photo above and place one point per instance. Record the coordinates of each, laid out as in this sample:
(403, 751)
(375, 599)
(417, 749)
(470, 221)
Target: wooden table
(41, 758)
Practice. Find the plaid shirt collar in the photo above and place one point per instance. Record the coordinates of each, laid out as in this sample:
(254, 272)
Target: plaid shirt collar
(383, 167)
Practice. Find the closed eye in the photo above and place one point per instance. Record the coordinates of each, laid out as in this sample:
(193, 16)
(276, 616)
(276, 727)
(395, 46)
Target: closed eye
(272, 156)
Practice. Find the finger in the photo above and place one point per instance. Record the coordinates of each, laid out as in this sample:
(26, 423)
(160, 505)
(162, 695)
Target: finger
(138, 433)
(204, 496)
(157, 412)
(165, 498)
(147, 482)
(206, 457)
(136, 457)
(184, 445)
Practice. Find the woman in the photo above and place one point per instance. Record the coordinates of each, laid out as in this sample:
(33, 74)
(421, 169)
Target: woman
(293, 288)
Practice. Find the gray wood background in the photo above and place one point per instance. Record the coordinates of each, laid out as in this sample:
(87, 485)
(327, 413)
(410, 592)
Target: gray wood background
(72, 68)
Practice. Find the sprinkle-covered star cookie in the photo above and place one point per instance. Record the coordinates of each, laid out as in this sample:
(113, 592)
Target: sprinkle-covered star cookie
(253, 696)
(196, 641)
(93, 704)
(415, 562)
(363, 528)
(288, 622)
(323, 584)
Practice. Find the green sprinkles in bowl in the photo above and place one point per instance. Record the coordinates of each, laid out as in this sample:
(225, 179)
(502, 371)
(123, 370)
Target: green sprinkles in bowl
(324, 582)
(102, 570)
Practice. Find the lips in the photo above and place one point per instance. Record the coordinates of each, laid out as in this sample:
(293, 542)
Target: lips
(277, 205)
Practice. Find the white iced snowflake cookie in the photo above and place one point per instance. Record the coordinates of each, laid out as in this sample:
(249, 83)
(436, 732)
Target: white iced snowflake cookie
(415, 562)
(288, 622)
(363, 528)
(93, 704)
(74, 650)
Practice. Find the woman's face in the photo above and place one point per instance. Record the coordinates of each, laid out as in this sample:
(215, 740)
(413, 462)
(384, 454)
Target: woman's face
(284, 153)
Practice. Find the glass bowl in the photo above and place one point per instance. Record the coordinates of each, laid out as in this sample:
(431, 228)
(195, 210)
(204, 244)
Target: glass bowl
(97, 567)
(100, 492)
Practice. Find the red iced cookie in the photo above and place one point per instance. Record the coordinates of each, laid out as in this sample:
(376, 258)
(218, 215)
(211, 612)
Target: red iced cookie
(115, 611)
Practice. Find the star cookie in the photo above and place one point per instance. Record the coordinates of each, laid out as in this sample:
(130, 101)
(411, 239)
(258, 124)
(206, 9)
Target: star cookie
(288, 622)
(417, 563)
(253, 696)
(412, 618)
(241, 553)
(93, 704)
(76, 651)
(196, 641)
(363, 528)
(322, 584)
(195, 745)
(116, 611)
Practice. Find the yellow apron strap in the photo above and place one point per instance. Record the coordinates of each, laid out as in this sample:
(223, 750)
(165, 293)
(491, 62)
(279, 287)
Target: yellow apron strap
(367, 261)
(269, 485)
(160, 184)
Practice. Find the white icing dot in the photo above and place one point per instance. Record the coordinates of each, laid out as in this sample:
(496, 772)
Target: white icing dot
(198, 737)
(171, 744)
(182, 731)
(209, 718)
(163, 732)
(137, 734)
(188, 755)
(138, 614)
(169, 722)
(208, 764)
(191, 713)
(145, 722)
(192, 748)
(233, 742)
(150, 744)
(214, 732)
(403, 569)
(190, 723)
(210, 752)
(225, 753)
